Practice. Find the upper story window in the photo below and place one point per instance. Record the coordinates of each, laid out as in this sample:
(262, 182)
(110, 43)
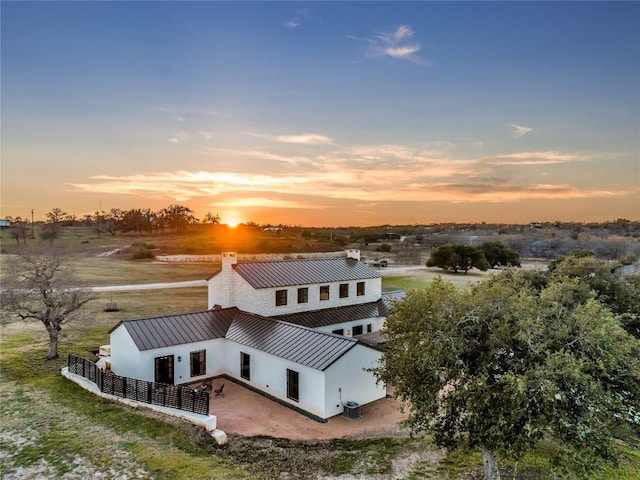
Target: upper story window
(360, 288)
(281, 297)
(344, 290)
(303, 295)
(324, 292)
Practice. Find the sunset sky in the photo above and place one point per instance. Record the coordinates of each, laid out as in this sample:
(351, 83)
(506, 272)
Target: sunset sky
(323, 114)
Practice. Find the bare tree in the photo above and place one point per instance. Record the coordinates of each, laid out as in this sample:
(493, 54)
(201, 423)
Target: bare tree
(38, 286)
(19, 230)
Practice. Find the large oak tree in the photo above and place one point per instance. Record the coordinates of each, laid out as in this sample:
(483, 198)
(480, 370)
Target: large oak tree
(38, 286)
(503, 364)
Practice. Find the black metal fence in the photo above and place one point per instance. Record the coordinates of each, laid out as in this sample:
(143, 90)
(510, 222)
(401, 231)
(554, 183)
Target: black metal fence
(174, 396)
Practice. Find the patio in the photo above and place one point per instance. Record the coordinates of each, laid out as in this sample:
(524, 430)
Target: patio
(244, 412)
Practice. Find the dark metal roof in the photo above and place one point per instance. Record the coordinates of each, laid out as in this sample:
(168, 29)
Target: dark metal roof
(388, 299)
(349, 313)
(158, 332)
(285, 273)
(332, 316)
(376, 340)
(298, 344)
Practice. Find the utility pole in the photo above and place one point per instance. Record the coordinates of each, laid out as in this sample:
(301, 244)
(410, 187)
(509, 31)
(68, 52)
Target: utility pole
(32, 236)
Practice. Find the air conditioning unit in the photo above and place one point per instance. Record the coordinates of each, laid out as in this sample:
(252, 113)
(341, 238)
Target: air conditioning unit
(352, 410)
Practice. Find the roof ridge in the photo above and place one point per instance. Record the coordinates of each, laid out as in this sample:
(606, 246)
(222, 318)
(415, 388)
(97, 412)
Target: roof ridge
(288, 260)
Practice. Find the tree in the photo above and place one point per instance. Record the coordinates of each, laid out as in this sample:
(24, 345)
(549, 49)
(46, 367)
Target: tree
(38, 287)
(620, 293)
(211, 219)
(457, 257)
(19, 230)
(501, 365)
(498, 255)
(177, 217)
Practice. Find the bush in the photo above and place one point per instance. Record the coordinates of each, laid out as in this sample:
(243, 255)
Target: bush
(143, 253)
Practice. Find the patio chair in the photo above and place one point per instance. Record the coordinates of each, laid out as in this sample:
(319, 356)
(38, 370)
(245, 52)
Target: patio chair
(219, 391)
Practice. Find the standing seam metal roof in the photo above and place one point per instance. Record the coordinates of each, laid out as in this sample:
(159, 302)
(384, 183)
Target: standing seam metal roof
(286, 273)
(158, 332)
(349, 313)
(301, 345)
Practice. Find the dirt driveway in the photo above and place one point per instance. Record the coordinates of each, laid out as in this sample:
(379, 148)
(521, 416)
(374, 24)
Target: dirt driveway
(244, 412)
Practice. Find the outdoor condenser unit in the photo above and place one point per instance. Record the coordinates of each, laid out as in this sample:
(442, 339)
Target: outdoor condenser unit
(352, 410)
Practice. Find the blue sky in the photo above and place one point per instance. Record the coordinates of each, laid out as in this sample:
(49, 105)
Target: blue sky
(326, 113)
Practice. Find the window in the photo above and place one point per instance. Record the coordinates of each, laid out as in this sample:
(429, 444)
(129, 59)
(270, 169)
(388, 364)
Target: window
(357, 330)
(303, 295)
(281, 297)
(340, 331)
(360, 289)
(198, 363)
(344, 290)
(245, 365)
(369, 328)
(292, 385)
(324, 292)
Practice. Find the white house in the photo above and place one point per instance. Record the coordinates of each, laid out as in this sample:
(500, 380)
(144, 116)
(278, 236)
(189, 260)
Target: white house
(293, 330)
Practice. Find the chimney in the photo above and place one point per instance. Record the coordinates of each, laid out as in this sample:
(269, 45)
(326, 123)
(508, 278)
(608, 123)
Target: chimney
(353, 253)
(228, 260)
(221, 291)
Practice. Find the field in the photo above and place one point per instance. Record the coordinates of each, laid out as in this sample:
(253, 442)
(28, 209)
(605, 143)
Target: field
(51, 428)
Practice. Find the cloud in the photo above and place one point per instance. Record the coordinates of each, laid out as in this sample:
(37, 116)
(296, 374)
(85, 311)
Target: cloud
(300, 16)
(184, 136)
(364, 174)
(519, 130)
(301, 138)
(181, 115)
(306, 139)
(395, 44)
(548, 157)
(263, 202)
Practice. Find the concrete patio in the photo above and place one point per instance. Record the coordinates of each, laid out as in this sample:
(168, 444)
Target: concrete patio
(244, 412)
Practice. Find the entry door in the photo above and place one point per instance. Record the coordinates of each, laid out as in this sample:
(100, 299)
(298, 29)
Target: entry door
(164, 369)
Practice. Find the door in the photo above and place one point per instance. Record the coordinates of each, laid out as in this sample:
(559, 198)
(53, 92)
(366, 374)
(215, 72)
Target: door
(164, 369)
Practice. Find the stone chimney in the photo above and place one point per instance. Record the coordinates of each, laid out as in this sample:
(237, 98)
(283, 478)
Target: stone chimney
(353, 253)
(221, 291)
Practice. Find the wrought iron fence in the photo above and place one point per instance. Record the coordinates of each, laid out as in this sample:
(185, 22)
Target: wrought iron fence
(174, 396)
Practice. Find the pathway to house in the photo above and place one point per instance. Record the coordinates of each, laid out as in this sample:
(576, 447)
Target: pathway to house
(244, 412)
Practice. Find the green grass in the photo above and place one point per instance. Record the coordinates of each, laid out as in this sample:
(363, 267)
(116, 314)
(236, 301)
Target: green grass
(392, 283)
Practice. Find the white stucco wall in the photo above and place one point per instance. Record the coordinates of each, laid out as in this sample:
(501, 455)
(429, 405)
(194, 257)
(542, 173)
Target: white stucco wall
(263, 301)
(356, 385)
(128, 361)
(269, 374)
(125, 356)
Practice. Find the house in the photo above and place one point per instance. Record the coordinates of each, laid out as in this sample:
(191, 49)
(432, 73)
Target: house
(287, 329)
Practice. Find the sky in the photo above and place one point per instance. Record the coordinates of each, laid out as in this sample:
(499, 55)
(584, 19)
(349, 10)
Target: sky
(323, 113)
